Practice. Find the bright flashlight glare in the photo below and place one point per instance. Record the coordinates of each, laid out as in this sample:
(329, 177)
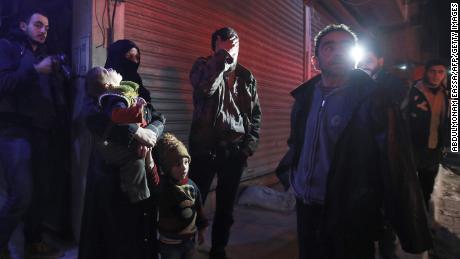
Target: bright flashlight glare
(403, 67)
(357, 53)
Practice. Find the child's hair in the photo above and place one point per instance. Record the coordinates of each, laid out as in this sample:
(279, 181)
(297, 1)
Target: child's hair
(171, 150)
(96, 80)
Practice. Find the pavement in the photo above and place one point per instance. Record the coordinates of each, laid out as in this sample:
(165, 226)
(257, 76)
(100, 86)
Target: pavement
(268, 234)
(258, 234)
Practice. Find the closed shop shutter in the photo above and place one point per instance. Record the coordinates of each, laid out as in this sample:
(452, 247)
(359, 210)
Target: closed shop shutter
(172, 34)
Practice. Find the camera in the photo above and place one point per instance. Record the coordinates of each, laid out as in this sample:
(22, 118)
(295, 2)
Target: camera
(62, 65)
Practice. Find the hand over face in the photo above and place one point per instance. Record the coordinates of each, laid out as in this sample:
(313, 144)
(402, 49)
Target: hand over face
(232, 46)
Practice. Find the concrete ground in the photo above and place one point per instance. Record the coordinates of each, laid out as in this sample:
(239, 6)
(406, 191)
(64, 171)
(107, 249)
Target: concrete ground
(260, 233)
(256, 234)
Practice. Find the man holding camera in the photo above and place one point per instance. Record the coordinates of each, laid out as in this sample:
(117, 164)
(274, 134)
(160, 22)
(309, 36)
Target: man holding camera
(28, 113)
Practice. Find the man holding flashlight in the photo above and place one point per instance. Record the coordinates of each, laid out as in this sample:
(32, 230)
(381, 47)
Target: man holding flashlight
(346, 160)
(225, 128)
(393, 92)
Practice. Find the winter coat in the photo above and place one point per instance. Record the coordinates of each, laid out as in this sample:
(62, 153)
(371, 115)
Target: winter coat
(112, 226)
(372, 171)
(208, 93)
(180, 209)
(28, 98)
(419, 119)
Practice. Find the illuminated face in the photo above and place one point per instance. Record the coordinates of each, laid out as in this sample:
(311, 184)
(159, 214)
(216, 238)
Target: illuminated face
(133, 55)
(232, 46)
(36, 29)
(333, 54)
(371, 63)
(179, 171)
(435, 75)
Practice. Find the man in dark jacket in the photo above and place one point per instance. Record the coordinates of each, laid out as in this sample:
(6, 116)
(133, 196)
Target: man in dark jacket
(394, 90)
(28, 112)
(346, 160)
(427, 109)
(225, 128)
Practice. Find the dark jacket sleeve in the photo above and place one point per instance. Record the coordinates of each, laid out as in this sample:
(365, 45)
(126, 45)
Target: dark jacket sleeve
(403, 201)
(156, 121)
(252, 138)
(284, 166)
(207, 74)
(201, 219)
(14, 73)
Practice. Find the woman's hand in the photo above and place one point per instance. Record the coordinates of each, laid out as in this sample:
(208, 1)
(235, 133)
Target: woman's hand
(145, 137)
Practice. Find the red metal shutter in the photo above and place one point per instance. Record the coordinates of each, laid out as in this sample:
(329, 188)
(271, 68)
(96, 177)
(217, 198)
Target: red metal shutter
(172, 34)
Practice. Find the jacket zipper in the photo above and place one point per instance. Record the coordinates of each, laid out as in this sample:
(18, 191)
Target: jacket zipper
(315, 144)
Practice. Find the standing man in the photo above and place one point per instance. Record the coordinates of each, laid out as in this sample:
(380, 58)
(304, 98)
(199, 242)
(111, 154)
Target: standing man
(225, 128)
(373, 64)
(393, 92)
(429, 123)
(344, 166)
(27, 115)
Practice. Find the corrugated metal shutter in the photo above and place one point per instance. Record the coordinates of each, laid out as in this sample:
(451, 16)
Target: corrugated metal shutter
(172, 34)
(319, 19)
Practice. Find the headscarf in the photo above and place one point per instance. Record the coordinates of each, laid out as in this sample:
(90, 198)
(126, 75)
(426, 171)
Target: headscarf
(128, 69)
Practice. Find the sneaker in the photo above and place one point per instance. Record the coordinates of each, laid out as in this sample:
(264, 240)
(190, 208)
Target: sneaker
(42, 250)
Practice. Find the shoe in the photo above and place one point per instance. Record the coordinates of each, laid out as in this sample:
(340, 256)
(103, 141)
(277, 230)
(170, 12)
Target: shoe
(42, 250)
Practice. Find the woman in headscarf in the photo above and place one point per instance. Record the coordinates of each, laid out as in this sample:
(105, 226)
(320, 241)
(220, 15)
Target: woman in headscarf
(124, 56)
(113, 227)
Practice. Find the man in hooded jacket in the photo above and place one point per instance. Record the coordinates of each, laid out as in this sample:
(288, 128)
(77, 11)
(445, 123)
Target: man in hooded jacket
(347, 162)
(31, 106)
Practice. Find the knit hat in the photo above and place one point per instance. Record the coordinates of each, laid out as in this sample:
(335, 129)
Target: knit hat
(171, 150)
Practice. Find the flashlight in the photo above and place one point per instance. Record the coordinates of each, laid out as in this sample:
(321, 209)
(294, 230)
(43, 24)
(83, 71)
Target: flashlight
(356, 54)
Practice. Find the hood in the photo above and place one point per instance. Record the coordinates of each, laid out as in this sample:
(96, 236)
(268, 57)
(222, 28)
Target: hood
(116, 60)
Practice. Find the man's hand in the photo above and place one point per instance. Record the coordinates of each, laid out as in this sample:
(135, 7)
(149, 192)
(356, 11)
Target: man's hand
(231, 48)
(145, 137)
(230, 45)
(45, 66)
